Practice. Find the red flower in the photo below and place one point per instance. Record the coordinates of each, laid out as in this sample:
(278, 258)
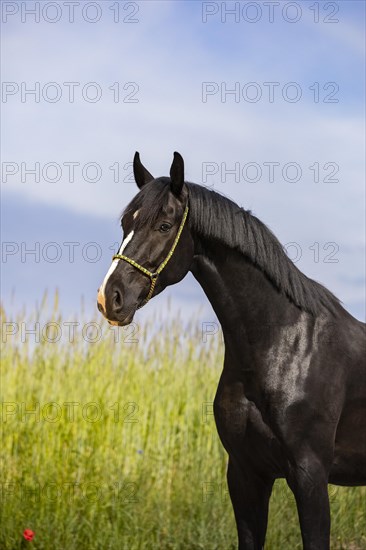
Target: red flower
(28, 534)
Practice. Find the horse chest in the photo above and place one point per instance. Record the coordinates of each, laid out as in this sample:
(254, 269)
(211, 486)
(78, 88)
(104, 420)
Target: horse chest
(241, 427)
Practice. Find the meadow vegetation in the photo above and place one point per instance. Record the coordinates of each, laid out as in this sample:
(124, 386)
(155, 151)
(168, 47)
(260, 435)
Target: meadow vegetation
(111, 443)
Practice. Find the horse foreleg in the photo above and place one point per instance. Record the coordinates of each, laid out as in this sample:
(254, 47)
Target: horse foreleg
(308, 481)
(250, 498)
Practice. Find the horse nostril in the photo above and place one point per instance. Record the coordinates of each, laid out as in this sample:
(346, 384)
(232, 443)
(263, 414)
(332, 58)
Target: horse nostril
(100, 307)
(117, 300)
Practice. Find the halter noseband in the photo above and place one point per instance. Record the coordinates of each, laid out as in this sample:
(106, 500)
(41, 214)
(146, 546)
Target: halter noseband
(154, 275)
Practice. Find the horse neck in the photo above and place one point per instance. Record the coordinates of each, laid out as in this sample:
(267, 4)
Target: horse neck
(245, 301)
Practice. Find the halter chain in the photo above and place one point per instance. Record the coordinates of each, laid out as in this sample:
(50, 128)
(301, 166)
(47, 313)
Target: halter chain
(154, 275)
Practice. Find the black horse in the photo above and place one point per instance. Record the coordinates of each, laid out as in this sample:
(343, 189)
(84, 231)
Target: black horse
(291, 400)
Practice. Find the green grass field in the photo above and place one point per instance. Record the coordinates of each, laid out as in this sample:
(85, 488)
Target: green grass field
(113, 445)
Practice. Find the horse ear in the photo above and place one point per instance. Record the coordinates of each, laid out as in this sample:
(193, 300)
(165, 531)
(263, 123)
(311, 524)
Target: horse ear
(177, 174)
(142, 175)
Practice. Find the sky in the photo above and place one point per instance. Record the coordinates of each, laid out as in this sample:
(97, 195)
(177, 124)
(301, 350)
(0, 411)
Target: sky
(264, 100)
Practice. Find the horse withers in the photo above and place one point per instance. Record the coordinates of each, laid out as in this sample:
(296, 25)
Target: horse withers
(291, 400)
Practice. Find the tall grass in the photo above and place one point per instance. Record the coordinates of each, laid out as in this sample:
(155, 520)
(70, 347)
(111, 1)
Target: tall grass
(113, 445)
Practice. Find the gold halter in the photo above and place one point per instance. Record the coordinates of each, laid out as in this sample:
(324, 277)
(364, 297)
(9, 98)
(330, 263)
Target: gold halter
(154, 275)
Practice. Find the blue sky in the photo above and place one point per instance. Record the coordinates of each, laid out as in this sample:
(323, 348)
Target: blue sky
(163, 60)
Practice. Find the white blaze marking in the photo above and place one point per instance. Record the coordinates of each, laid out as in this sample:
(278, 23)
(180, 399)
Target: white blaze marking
(101, 296)
(125, 242)
(109, 273)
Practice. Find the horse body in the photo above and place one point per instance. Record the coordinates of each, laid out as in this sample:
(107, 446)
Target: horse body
(291, 400)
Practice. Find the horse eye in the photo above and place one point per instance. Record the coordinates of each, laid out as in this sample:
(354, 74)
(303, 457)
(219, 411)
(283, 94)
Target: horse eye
(164, 227)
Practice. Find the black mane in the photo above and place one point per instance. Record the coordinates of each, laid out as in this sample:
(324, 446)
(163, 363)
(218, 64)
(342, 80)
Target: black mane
(214, 216)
